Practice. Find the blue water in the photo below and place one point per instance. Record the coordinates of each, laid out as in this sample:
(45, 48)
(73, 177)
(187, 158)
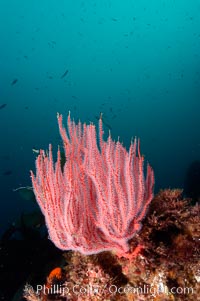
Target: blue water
(138, 62)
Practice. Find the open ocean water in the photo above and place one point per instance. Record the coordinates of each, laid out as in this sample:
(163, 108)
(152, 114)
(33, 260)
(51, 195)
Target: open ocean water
(137, 62)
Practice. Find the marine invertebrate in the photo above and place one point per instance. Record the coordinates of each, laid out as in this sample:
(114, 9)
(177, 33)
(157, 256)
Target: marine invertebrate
(97, 200)
(166, 269)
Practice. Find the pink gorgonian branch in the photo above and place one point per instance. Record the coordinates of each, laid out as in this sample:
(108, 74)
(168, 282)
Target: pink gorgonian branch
(97, 200)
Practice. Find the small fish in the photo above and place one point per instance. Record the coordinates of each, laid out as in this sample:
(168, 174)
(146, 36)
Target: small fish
(14, 82)
(52, 44)
(64, 74)
(3, 106)
(7, 173)
(36, 151)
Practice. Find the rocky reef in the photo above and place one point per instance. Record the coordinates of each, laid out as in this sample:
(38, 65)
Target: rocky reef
(163, 264)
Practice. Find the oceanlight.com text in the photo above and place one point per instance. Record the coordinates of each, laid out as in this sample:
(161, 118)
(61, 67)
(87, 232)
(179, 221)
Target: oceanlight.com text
(112, 290)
